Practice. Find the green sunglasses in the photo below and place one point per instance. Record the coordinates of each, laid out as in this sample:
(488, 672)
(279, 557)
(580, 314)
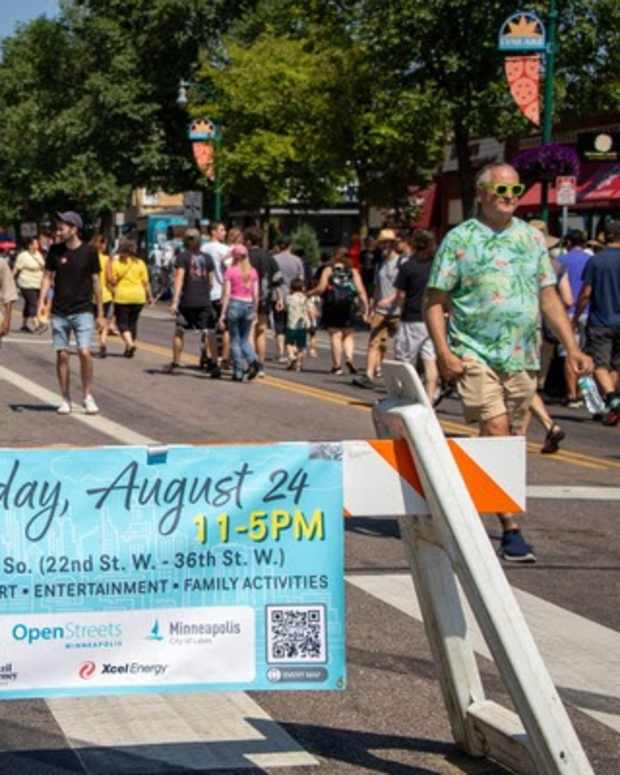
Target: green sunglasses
(505, 189)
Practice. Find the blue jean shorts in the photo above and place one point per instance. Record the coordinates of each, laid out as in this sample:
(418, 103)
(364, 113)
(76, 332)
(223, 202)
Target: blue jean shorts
(81, 323)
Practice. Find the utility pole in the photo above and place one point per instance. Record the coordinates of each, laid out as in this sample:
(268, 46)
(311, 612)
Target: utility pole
(548, 101)
(217, 209)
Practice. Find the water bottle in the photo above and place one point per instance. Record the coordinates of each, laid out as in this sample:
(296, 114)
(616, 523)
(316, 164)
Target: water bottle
(591, 396)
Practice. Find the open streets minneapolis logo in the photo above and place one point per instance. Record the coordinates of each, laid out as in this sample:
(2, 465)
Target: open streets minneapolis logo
(87, 670)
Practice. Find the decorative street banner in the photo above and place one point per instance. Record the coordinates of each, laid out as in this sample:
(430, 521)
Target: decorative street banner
(204, 133)
(523, 31)
(523, 76)
(127, 570)
(204, 156)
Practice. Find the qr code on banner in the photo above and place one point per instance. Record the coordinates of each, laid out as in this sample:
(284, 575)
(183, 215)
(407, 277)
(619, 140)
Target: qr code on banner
(296, 633)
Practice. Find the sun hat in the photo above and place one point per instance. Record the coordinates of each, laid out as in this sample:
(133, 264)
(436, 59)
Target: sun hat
(387, 235)
(541, 226)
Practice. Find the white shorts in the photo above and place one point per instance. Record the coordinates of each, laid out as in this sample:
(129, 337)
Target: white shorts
(411, 340)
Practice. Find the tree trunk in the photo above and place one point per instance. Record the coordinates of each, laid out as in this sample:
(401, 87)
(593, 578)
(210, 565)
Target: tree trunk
(465, 169)
(264, 225)
(364, 206)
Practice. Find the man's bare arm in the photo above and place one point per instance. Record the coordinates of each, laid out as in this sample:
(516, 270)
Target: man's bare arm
(554, 312)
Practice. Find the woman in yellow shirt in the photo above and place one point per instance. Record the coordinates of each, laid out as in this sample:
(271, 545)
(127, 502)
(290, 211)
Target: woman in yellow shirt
(28, 274)
(129, 278)
(101, 244)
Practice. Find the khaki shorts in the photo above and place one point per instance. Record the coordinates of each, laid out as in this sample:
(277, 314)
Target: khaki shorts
(382, 329)
(487, 393)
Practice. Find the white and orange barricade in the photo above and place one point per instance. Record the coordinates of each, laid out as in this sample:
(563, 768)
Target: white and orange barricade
(380, 476)
(437, 489)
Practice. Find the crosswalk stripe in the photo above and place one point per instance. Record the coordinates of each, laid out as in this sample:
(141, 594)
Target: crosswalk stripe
(583, 657)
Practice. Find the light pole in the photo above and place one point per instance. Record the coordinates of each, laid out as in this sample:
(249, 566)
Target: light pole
(548, 99)
(182, 102)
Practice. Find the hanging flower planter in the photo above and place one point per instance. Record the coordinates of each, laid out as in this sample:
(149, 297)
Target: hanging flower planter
(546, 162)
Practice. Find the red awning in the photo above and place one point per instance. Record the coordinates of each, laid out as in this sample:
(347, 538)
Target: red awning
(425, 198)
(599, 184)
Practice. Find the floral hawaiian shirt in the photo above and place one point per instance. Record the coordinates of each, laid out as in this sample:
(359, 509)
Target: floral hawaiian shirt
(494, 279)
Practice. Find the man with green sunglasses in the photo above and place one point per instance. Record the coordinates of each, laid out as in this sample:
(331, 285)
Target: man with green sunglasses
(508, 190)
(493, 276)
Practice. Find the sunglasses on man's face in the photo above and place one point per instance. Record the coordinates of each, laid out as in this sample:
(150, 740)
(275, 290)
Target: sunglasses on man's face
(505, 189)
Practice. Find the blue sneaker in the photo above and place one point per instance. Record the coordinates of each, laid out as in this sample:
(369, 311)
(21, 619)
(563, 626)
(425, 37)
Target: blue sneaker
(514, 549)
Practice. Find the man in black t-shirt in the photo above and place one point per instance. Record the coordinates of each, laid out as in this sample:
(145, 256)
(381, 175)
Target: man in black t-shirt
(191, 303)
(270, 280)
(412, 338)
(72, 269)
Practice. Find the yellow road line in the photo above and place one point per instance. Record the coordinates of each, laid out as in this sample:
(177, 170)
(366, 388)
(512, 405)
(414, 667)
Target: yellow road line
(449, 426)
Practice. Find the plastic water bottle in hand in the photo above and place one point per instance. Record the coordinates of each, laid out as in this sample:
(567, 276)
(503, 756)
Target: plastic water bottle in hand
(591, 396)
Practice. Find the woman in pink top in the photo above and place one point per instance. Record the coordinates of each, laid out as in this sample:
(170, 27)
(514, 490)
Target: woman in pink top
(239, 304)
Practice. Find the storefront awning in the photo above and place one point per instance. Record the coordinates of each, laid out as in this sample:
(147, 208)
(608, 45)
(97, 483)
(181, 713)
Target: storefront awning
(425, 199)
(598, 186)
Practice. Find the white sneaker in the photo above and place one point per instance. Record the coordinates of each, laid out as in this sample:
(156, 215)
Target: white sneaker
(90, 407)
(64, 408)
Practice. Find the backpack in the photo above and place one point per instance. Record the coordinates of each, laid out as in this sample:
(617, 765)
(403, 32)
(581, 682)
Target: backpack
(341, 288)
(269, 275)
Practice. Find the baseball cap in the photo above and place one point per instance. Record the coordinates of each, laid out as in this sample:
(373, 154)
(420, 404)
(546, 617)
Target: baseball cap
(239, 251)
(192, 233)
(576, 235)
(72, 218)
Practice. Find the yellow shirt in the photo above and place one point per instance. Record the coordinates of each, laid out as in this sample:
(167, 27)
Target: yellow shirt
(30, 267)
(106, 292)
(131, 277)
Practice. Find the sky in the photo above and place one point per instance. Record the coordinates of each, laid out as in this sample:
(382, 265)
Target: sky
(14, 11)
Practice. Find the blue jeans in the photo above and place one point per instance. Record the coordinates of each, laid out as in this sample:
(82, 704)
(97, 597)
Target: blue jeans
(239, 318)
(81, 323)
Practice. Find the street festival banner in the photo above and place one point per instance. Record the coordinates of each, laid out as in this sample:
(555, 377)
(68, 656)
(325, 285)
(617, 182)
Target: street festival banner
(124, 570)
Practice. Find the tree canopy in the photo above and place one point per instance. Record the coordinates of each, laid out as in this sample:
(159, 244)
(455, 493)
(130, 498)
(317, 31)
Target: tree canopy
(313, 96)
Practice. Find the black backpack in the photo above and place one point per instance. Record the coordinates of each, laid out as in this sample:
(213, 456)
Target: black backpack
(341, 288)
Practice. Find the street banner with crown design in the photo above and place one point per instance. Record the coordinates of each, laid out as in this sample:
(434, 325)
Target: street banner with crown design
(203, 133)
(523, 34)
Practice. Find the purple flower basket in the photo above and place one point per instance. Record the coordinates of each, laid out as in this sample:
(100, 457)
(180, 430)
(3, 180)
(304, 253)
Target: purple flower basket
(546, 163)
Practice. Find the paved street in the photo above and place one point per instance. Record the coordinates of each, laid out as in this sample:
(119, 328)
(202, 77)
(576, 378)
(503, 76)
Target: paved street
(391, 718)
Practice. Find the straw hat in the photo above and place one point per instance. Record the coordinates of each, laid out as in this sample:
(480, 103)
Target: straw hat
(387, 235)
(550, 240)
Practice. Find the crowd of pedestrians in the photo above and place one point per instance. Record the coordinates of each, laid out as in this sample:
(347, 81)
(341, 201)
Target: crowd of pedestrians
(484, 312)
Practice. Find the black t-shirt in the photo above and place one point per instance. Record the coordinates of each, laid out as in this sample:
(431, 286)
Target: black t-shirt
(269, 275)
(73, 280)
(412, 279)
(197, 282)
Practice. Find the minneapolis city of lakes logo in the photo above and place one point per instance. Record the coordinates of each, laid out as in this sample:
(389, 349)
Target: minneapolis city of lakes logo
(154, 632)
(523, 31)
(7, 673)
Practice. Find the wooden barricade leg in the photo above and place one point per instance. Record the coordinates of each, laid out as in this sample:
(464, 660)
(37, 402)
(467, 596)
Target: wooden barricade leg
(446, 629)
(550, 745)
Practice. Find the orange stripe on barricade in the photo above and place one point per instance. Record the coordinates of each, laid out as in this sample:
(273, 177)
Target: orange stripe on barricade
(486, 494)
(396, 453)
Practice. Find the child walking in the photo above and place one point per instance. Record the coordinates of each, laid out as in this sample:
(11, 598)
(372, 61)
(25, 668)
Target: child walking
(300, 317)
